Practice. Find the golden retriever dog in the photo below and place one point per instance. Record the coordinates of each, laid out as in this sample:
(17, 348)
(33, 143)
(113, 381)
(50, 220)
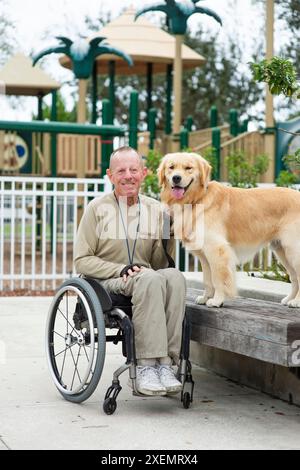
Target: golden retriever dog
(226, 226)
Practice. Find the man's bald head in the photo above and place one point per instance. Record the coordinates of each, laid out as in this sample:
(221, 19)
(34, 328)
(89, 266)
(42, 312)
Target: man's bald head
(120, 153)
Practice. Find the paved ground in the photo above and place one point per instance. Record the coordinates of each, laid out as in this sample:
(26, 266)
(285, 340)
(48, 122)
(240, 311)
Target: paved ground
(34, 416)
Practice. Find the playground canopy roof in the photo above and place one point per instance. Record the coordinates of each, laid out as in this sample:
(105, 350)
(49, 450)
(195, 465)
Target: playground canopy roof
(20, 78)
(144, 42)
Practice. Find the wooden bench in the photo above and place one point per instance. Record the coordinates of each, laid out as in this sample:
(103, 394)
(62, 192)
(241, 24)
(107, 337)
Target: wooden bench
(262, 330)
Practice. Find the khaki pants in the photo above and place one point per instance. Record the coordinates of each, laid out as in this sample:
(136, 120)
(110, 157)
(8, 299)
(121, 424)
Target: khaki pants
(158, 299)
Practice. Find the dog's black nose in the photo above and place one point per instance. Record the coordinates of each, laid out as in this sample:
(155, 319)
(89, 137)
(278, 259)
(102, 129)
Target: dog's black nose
(176, 179)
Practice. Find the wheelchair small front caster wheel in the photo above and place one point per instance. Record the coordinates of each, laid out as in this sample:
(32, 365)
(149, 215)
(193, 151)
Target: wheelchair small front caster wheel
(109, 406)
(186, 400)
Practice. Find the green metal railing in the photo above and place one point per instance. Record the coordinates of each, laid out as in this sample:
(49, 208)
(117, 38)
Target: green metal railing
(107, 132)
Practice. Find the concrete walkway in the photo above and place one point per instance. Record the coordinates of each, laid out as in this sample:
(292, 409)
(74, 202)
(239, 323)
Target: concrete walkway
(33, 415)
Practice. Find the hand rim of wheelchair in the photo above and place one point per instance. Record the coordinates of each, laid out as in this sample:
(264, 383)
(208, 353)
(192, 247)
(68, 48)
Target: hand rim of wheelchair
(96, 358)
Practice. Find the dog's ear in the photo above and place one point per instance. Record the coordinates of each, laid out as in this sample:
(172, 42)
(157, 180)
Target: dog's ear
(161, 172)
(205, 171)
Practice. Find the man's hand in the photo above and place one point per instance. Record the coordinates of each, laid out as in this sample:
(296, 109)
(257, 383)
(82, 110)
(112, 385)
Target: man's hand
(130, 270)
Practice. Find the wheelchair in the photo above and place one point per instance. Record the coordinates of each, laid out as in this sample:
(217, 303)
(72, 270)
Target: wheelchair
(79, 315)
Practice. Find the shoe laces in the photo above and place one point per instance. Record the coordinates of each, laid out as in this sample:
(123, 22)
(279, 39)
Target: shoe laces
(148, 372)
(167, 372)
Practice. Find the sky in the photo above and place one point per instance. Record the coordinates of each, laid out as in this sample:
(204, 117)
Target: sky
(243, 18)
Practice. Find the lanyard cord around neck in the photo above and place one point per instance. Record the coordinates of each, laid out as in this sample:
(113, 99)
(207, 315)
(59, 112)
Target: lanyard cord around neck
(130, 256)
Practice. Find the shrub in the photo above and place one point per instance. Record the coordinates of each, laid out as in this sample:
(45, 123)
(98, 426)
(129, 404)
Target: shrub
(243, 173)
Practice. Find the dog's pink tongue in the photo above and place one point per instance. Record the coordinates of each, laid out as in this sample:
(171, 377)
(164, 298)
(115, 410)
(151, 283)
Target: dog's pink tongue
(178, 192)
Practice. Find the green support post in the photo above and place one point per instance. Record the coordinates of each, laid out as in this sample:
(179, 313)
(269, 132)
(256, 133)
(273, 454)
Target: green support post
(216, 143)
(152, 126)
(36, 165)
(133, 119)
(244, 126)
(184, 139)
(53, 136)
(40, 107)
(112, 92)
(107, 145)
(149, 89)
(168, 119)
(189, 123)
(53, 168)
(233, 121)
(94, 94)
(213, 116)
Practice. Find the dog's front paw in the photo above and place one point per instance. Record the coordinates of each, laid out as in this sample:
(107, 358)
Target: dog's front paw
(286, 300)
(201, 299)
(294, 303)
(214, 302)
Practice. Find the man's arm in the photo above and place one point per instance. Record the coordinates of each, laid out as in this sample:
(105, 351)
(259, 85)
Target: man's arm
(85, 260)
(159, 258)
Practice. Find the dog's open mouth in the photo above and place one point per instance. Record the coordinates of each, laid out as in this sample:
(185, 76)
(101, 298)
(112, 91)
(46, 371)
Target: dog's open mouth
(178, 191)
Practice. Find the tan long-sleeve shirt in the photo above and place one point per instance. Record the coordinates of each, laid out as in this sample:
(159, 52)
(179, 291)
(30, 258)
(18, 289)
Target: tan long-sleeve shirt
(101, 250)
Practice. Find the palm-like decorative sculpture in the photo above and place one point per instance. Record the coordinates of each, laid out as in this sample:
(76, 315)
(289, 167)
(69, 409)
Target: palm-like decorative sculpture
(82, 54)
(178, 13)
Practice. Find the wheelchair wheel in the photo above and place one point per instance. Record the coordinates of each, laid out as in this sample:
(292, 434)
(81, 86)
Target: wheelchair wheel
(75, 340)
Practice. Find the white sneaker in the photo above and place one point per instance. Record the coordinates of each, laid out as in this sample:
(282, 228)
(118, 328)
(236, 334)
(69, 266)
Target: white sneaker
(168, 379)
(147, 381)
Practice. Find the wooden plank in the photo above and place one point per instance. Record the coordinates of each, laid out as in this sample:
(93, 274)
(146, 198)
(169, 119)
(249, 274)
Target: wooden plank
(255, 328)
(249, 346)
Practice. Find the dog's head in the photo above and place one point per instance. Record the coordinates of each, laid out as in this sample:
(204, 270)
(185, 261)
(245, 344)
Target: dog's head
(183, 177)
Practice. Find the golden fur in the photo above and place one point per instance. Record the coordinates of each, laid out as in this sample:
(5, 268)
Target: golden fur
(234, 224)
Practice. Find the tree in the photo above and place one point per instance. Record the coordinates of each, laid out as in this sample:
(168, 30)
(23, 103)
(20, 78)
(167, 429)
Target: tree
(63, 115)
(178, 13)
(279, 74)
(7, 35)
(221, 81)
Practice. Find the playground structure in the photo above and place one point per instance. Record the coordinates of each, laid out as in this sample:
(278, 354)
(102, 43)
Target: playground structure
(38, 152)
(52, 148)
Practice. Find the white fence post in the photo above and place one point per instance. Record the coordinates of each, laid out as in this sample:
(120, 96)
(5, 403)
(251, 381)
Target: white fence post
(27, 203)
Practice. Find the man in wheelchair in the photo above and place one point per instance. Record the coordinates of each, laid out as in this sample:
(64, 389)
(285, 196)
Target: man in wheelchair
(119, 242)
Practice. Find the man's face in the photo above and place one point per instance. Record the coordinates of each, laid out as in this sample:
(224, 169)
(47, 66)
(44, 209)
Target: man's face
(126, 174)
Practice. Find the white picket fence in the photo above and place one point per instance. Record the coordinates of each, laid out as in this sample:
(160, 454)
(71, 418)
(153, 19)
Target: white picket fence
(38, 224)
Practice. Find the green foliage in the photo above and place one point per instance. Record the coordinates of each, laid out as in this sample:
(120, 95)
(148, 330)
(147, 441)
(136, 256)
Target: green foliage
(8, 41)
(277, 272)
(210, 155)
(293, 161)
(243, 173)
(63, 115)
(150, 186)
(286, 179)
(290, 176)
(279, 74)
(220, 81)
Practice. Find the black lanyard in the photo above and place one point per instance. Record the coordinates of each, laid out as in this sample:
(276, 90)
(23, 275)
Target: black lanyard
(130, 256)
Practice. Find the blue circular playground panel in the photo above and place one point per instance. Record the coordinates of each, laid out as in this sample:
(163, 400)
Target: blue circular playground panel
(16, 152)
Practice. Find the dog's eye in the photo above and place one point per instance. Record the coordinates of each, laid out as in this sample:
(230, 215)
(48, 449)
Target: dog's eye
(188, 168)
(171, 167)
